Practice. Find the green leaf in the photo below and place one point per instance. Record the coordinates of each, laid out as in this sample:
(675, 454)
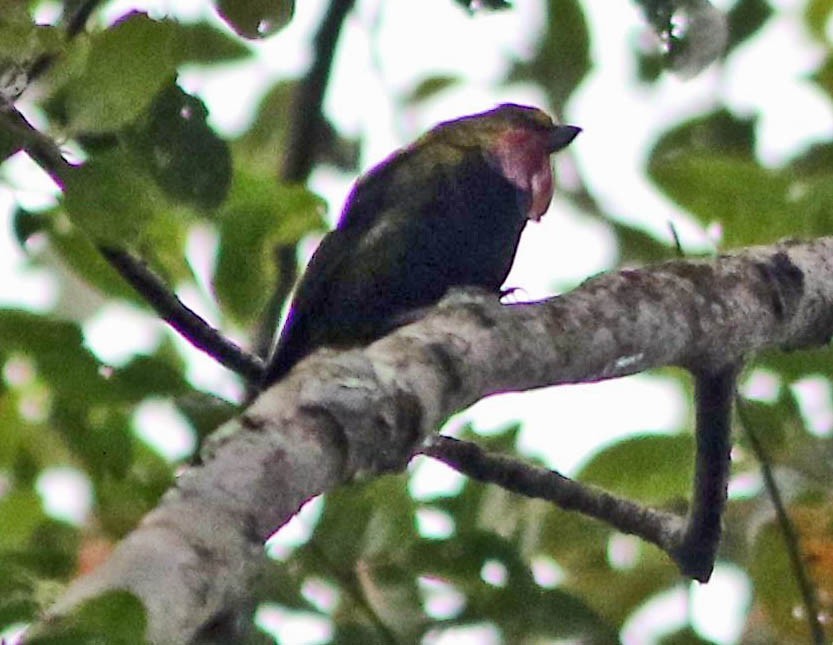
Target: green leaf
(113, 617)
(636, 245)
(430, 87)
(57, 349)
(205, 412)
(23, 41)
(126, 66)
(748, 200)
(146, 376)
(111, 199)
(522, 610)
(20, 515)
(563, 58)
(266, 138)
(794, 365)
(255, 18)
(77, 251)
(123, 502)
(775, 586)
(186, 158)
(378, 516)
(685, 636)
(258, 216)
(707, 167)
(816, 16)
(745, 19)
(204, 44)
(651, 468)
(25, 223)
(26, 446)
(100, 438)
(17, 592)
(717, 132)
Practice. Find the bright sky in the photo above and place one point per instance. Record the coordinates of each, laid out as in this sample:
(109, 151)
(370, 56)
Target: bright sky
(561, 425)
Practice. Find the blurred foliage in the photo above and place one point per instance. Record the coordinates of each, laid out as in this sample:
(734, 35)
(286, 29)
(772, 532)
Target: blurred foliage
(155, 174)
(255, 18)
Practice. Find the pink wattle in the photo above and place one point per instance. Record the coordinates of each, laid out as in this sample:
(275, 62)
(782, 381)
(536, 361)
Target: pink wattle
(523, 158)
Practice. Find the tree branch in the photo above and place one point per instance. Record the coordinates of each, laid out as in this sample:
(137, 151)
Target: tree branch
(341, 414)
(655, 526)
(190, 325)
(307, 118)
(692, 542)
(697, 544)
(147, 284)
(791, 539)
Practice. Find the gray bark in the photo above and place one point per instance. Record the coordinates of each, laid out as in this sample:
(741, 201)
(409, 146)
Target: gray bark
(341, 415)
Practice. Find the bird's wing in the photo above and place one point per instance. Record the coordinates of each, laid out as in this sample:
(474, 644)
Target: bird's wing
(308, 302)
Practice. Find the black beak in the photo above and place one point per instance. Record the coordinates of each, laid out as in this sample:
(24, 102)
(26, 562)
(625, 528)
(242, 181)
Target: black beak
(561, 136)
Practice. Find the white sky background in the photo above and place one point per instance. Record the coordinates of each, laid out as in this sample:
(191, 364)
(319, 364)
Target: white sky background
(620, 120)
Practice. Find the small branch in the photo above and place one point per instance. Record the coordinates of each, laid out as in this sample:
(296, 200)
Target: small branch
(791, 539)
(698, 543)
(655, 526)
(151, 287)
(691, 543)
(184, 320)
(41, 148)
(306, 118)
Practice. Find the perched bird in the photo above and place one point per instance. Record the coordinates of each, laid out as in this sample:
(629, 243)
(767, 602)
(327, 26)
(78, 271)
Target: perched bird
(445, 211)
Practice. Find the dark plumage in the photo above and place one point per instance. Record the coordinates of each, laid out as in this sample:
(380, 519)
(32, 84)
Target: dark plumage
(445, 211)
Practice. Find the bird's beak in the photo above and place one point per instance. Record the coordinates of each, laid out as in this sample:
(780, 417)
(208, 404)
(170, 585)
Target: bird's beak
(561, 136)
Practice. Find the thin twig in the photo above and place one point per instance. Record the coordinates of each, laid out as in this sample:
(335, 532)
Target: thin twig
(655, 526)
(42, 149)
(184, 320)
(306, 118)
(150, 286)
(675, 235)
(791, 539)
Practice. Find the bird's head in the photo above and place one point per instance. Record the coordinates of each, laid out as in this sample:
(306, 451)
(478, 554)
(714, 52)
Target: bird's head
(518, 141)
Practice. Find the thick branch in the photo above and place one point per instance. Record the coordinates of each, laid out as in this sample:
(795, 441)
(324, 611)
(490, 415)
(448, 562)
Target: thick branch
(338, 414)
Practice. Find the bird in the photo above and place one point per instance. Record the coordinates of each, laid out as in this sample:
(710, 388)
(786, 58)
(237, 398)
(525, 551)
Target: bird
(445, 211)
